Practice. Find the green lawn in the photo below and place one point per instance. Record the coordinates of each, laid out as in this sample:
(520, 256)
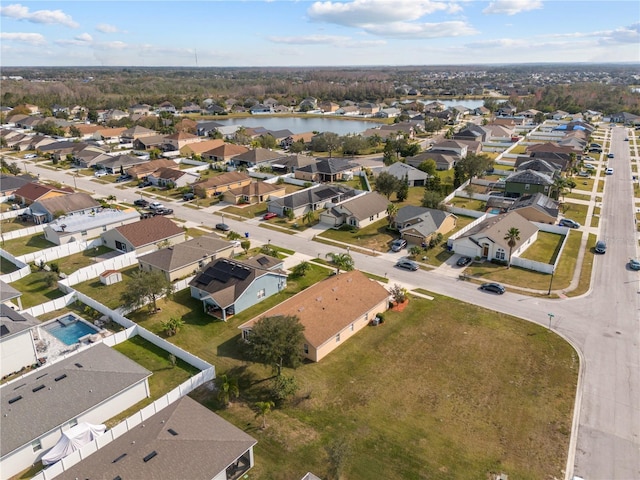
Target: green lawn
(575, 211)
(80, 260)
(24, 245)
(6, 266)
(108, 295)
(469, 203)
(247, 211)
(437, 421)
(13, 224)
(372, 237)
(577, 196)
(34, 289)
(545, 249)
(587, 267)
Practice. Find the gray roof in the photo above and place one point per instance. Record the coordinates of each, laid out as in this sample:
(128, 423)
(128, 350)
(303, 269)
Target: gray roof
(539, 201)
(428, 219)
(86, 221)
(190, 442)
(102, 374)
(186, 253)
(14, 182)
(319, 193)
(330, 166)
(367, 205)
(121, 160)
(401, 170)
(12, 322)
(537, 164)
(7, 292)
(257, 155)
(74, 202)
(529, 176)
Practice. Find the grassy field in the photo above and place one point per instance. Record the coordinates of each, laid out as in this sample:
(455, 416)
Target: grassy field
(247, 211)
(24, 245)
(80, 260)
(437, 421)
(34, 289)
(108, 295)
(575, 211)
(587, 268)
(12, 224)
(469, 203)
(372, 237)
(545, 249)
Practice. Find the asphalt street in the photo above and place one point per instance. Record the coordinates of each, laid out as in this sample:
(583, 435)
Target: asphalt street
(602, 325)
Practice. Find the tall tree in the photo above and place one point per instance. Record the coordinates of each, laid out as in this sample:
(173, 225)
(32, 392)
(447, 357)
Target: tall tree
(277, 341)
(342, 261)
(402, 190)
(512, 237)
(145, 287)
(392, 212)
(386, 184)
(432, 199)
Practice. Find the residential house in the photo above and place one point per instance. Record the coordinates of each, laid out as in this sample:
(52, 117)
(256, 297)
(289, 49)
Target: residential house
(17, 347)
(136, 132)
(109, 134)
(204, 128)
(487, 238)
(527, 182)
(168, 107)
(391, 112)
(405, 172)
(291, 163)
(550, 147)
(506, 110)
(33, 109)
(348, 110)
(33, 191)
(328, 107)
(47, 209)
(208, 447)
(309, 103)
(119, 163)
(309, 199)
(186, 258)
(179, 140)
(88, 157)
(141, 171)
(10, 183)
(255, 192)
(219, 184)
(331, 311)
(191, 107)
(200, 148)
(444, 160)
(172, 177)
(140, 109)
(327, 170)
(561, 161)
(260, 108)
(367, 108)
(224, 153)
(481, 111)
(450, 146)
(538, 165)
(356, 212)
(257, 157)
(405, 129)
(536, 208)
(85, 226)
(530, 113)
(472, 132)
(379, 133)
(90, 386)
(150, 142)
(87, 131)
(559, 114)
(227, 287)
(144, 235)
(419, 225)
(114, 115)
(304, 138)
(499, 133)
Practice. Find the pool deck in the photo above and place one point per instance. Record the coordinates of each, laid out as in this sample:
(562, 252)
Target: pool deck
(50, 347)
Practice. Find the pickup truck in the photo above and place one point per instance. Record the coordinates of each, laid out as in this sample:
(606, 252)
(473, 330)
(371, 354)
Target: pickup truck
(155, 205)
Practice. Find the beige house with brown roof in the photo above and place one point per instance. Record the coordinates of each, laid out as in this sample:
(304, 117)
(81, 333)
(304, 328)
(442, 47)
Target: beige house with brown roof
(224, 153)
(332, 311)
(186, 258)
(144, 236)
(221, 183)
(144, 169)
(255, 192)
(172, 177)
(198, 148)
(181, 139)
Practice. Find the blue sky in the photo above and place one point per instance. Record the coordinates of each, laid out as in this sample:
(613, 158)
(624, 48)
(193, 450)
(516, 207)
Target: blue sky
(323, 33)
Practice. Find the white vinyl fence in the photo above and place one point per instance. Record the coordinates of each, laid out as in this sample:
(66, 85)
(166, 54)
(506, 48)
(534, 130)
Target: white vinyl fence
(23, 232)
(94, 271)
(51, 306)
(54, 253)
(11, 213)
(23, 268)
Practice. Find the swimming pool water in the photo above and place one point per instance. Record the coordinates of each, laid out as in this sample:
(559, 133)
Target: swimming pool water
(71, 333)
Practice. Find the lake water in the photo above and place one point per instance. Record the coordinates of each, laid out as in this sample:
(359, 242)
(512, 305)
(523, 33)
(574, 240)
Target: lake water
(322, 124)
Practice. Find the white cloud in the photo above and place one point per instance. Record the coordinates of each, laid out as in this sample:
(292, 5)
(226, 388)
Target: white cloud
(421, 30)
(333, 40)
(116, 45)
(50, 17)
(82, 40)
(106, 28)
(28, 38)
(511, 7)
(84, 37)
(366, 12)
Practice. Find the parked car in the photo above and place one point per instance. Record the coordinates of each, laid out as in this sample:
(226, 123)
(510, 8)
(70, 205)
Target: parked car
(141, 203)
(144, 184)
(463, 261)
(609, 171)
(493, 288)
(595, 150)
(610, 155)
(163, 211)
(634, 264)
(595, 145)
(188, 196)
(269, 215)
(398, 244)
(601, 247)
(567, 222)
(626, 140)
(223, 226)
(407, 264)
(30, 156)
(100, 173)
(156, 205)
(584, 174)
(589, 166)
(123, 178)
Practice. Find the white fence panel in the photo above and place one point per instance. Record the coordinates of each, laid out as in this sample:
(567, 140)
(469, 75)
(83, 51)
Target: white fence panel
(11, 213)
(119, 429)
(23, 232)
(182, 284)
(50, 306)
(465, 212)
(532, 265)
(88, 449)
(54, 470)
(466, 229)
(147, 412)
(54, 253)
(71, 459)
(94, 271)
(17, 275)
(104, 439)
(133, 420)
(174, 349)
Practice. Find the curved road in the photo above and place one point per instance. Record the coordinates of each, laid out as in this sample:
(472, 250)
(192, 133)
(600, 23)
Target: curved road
(602, 325)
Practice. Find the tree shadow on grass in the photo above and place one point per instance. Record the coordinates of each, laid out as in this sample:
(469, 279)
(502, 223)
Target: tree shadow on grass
(233, 348)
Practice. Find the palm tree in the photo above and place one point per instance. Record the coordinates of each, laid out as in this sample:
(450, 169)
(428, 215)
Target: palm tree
(309, 217)
(512, 237)
(559, 187)
(342, 261)
(227, 388)
(110, 199)
(265, 408)
(392, 212)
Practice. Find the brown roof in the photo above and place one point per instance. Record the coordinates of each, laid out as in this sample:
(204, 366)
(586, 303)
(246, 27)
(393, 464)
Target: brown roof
(112, 132)
(204, 146)
(227, 150)
(150, 230)
(549, 147)
(181, 136)
(257, 188)
(33, 191)
(224, 179)
(150, 167)
(188, 439)
(186, 253)
(73, 202)
(168, 173)
(87, 129)
(329, 306)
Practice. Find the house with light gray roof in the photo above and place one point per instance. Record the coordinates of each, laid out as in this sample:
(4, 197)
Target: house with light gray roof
(418, 225)
(403, 171)
(357, 212)
(91, 386)
(310, 199)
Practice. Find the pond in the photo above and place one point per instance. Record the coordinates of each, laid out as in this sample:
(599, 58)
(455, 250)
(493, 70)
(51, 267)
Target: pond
(301, 124)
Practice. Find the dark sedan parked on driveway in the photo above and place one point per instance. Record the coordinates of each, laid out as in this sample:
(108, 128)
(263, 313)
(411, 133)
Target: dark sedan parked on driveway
(463, 261)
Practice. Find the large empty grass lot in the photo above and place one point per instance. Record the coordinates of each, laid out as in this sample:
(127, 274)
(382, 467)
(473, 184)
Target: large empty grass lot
(443, 390)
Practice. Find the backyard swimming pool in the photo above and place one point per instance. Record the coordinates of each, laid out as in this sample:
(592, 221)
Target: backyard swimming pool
(69, 329)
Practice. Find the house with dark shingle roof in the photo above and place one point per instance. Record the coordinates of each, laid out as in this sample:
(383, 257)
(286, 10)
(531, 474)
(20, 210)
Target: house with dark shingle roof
(357, 212)
(135, 132)
(144, 235)
(257, 156)
(186, 258)
(172, 177)
(144, 169)
(119, 163)
(226, 286)
(526, 182)
(444, 160)
(537, 164)
(47, 209)
(310, 199)
(326, 170)
(91, 386)
(224, 153)
(205, 445)
(33, 191)
(418, 225)
(331, 311)
(486, 239)
(10, 183)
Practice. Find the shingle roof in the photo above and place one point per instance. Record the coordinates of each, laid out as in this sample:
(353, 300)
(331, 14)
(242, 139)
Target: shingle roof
(227, 150)
(190, 442)
(186, 253)
(257, 155)
(12, 322)
(33, 191)
(538, 201)
(257, 188)
(224, 179)
(430, 218)
(496, 227)
(312, 195)
(401, 170)
(329, 166)
(329, 306)
(149, 230)
(151, 166)
(73, 202)
(364, 206)
(529, 176)
(102, 373)
(13, 182)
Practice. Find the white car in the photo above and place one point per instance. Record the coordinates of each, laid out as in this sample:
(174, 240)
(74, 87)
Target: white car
(30, 155)
(589, 166)
(609, 171)
(100, 173)
(156, 206)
